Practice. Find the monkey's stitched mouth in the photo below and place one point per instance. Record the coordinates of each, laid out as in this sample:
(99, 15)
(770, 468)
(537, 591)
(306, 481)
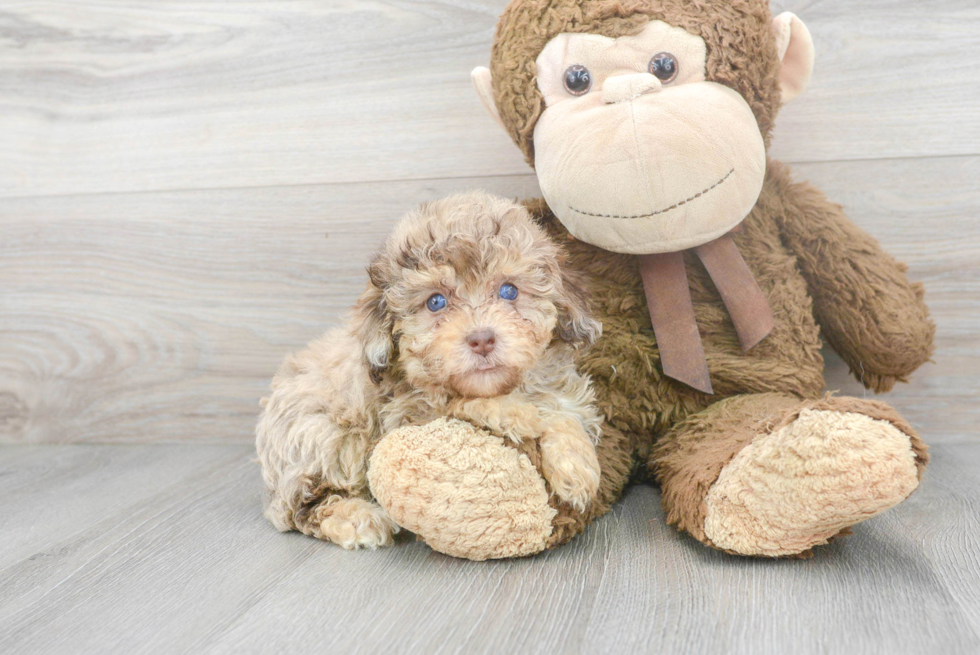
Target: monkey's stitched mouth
(660, 211)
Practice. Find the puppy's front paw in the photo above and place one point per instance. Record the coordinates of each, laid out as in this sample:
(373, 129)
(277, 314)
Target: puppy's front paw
(357, 523)
(572, 469)
(514, 420)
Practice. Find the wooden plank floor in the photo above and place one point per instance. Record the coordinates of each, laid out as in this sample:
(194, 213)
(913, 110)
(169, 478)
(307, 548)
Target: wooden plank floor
(160, 548)
(190, 189)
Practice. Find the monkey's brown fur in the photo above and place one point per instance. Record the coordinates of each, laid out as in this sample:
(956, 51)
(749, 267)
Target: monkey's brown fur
(823, 276)
(847, 290)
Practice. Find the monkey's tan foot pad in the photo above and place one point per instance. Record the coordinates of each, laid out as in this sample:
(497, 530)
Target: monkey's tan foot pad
(801, 485)
(463, 491)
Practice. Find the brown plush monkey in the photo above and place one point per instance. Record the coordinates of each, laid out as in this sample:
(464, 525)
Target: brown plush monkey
(647, 122)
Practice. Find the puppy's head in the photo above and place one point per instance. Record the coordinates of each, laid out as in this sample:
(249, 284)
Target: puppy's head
(465, 297)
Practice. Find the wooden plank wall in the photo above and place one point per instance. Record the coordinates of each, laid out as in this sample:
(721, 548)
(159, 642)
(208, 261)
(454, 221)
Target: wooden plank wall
(190, 189)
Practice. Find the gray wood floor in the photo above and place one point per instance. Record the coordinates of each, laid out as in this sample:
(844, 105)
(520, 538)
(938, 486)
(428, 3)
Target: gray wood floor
(190, 189)
(160, 548)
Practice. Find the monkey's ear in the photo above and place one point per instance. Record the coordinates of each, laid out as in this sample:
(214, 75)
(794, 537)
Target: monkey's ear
(372, 325)
(483, 82)
(795, 48)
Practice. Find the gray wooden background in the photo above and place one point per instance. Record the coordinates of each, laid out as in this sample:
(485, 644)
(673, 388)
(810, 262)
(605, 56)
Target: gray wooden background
(189, 189)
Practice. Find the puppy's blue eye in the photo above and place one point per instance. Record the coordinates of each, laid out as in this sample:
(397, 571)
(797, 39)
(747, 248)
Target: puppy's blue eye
(508, 291)
(435, 302)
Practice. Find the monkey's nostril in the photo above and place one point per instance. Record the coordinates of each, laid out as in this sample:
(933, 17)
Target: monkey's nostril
(481, 342)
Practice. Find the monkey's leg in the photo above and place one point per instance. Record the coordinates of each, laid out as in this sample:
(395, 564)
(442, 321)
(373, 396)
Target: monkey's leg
(772, 475)
(470, 494)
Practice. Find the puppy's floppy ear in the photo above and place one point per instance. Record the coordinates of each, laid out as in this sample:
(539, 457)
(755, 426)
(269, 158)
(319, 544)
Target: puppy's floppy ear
(372, 323)
(576, 324)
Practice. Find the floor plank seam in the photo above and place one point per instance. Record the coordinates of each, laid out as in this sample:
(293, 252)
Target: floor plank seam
(416, 180)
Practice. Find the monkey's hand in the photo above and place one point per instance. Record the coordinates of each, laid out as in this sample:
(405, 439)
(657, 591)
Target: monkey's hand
(569, 462)
(867, 308)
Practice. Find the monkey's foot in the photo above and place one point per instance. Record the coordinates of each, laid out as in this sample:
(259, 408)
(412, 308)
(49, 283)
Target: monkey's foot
(799, 486)
(462, 491)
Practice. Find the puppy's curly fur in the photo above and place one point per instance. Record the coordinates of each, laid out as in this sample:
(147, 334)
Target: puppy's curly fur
(398, 363)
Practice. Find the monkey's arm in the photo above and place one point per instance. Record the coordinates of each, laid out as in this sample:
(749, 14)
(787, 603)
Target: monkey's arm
(867, 308)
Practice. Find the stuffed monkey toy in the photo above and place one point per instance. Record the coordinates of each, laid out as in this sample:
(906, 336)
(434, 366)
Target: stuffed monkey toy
(715, 277)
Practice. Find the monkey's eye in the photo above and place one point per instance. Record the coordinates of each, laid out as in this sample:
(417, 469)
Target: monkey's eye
(436, 302)
(578, 80)
(663, 66)
(508, 291)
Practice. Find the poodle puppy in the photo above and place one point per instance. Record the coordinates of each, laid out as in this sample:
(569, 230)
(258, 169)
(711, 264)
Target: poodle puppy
(468, 313)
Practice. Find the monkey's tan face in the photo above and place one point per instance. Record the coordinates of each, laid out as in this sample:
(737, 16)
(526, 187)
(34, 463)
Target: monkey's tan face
(636, 152)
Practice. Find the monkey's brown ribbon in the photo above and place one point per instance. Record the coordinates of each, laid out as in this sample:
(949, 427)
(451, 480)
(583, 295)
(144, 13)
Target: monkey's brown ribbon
(672, 313)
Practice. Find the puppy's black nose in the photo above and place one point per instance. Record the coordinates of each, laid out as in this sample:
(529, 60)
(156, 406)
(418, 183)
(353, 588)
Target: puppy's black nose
(481, 341)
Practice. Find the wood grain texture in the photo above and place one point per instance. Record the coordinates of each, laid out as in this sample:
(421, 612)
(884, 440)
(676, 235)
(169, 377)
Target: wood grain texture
(162, 548)
(188, 190)
(892, 78)
(154, 317)
(134, 96)
(170, 312)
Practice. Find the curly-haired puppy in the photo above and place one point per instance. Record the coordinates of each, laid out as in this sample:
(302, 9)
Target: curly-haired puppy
(468, 313)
